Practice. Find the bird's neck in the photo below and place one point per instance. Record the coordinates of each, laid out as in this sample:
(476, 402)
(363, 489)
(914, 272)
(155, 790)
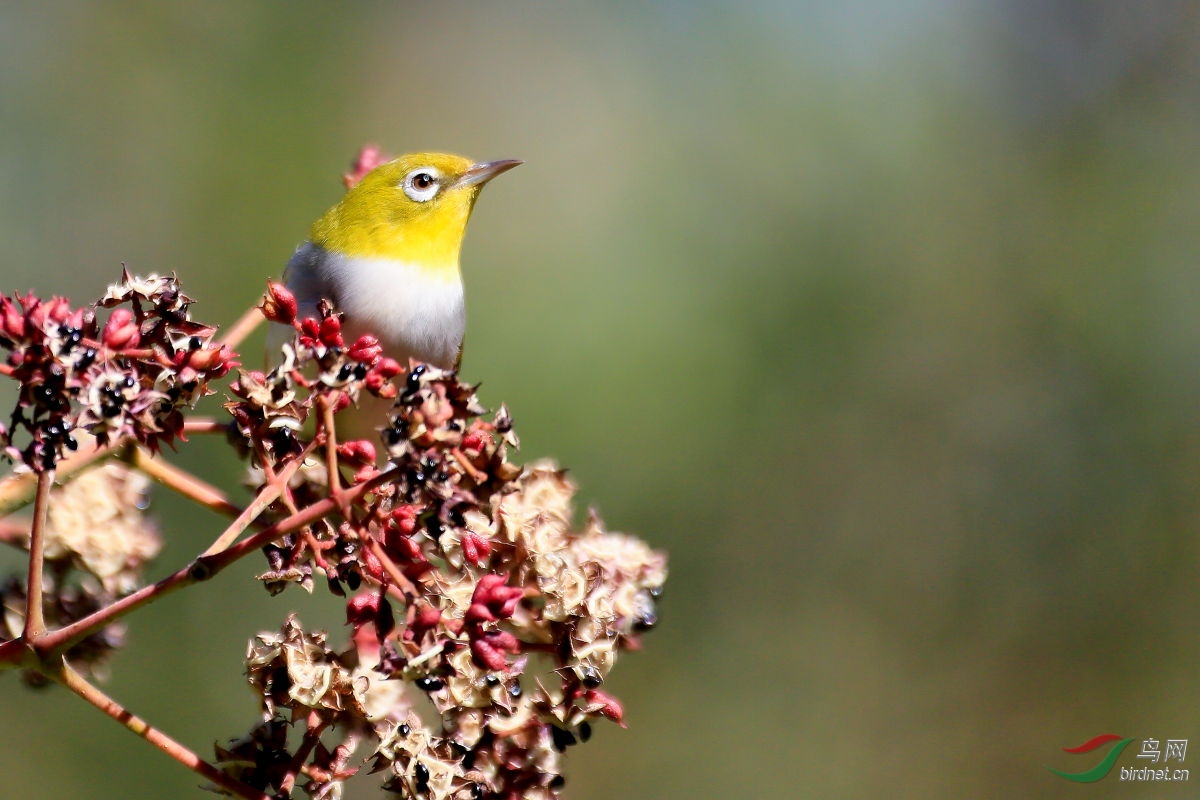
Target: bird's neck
(432, 246)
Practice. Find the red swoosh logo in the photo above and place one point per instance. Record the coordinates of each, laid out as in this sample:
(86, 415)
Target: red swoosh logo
(1092, 744)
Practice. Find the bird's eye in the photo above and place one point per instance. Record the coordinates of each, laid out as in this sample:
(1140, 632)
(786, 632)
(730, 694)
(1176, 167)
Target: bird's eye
(422, 184)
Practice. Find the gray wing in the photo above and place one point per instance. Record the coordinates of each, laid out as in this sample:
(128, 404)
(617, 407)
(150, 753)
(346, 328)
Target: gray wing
(303, 277)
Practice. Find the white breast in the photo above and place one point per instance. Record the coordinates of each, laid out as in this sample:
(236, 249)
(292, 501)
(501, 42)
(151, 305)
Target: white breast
(414, 312)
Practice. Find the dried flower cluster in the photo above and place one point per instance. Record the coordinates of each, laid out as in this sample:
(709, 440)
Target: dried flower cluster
(130, 377)
(97, 541)
(482, 620)
(483, 623)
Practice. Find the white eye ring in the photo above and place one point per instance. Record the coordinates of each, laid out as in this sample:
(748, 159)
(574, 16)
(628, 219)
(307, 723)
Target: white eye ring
(422, 184)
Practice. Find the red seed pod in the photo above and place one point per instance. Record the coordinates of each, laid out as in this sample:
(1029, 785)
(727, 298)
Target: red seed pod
(371, 566)
(606, 705)
(388, 367)
(362, 608)
(279, 304)
(358, 451)
(121, 330)
(366, 349)
(206, 358)
(374, 382)
(476, 548)
(365, 474)
(330, 332)
(492, 600)
(488, 649)
(13, 319)
(405, 518)
(311, 327)
(426, 619)
(475, 439)
(57, 310)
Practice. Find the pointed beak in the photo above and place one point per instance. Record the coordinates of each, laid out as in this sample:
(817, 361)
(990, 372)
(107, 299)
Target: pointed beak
(480, 174)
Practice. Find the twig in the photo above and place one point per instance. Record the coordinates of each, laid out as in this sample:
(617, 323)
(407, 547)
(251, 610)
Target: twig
(398, 578)
(318, 510)
(35, 620)
(79, 685)
(331, 455)
(312, 737)
(18, 490)
(203, 568)
(204, 425)
(181, 481)
(261, 502)
(468, 467)
(243, 328)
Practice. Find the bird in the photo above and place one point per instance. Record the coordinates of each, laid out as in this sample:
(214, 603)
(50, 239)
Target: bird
(387, 255)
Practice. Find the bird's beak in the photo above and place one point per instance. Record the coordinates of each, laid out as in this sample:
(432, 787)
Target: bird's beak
(480, 174)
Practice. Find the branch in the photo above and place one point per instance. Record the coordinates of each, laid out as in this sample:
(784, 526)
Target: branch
(399, 579)
(35, 620)
(245, 326)
(331, 455)
(181, 481)
(204, 425)
(265, 497)
(79, 685)
(203, 568)
(304, 517)
(312, 738)
(17, 490)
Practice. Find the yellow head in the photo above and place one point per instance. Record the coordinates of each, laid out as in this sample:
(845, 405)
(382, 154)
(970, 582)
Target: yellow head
(413, 209)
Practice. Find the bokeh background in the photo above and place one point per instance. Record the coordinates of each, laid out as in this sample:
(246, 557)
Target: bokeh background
(881, 317)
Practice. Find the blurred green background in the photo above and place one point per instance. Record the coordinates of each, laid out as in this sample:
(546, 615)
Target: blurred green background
(880, 317)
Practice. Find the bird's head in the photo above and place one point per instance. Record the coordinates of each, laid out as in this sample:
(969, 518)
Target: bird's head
(412, 209)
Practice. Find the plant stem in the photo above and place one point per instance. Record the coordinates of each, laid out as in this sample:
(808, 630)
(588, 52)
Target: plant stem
(307, 516)
(331, 454)
(245, 325)
(17, 490)
(312, 737)
(181, 481)
(399, 579)
(79, 685)
(468, 467)
(265, 497)
(204, 425)
(35, 620)
(203, 568)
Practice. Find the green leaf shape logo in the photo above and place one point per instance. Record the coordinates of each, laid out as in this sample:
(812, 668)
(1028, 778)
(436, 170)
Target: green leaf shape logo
(1097, 772)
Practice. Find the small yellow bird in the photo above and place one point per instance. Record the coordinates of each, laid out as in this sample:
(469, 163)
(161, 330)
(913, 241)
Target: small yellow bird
(387, 255)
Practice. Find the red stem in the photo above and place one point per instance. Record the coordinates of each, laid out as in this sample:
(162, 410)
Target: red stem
(245, 325)
(312, 737)
(35, 620)
(265, 497)
(331, 454)
(19, 490)
(204, 425)
(181, 481)
(79, 685)
(203, 568)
